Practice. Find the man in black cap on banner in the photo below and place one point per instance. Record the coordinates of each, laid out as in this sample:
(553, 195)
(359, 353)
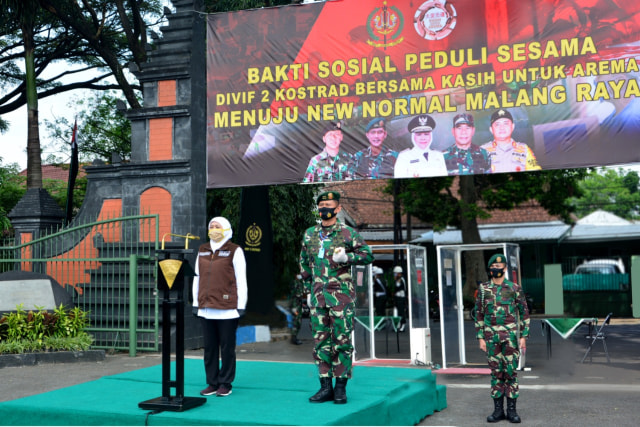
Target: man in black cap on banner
(421, 160)
(507, 155)
(375, 161)
(332, 164)
(464, 157)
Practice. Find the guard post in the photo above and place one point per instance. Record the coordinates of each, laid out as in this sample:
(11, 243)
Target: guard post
(173, 269)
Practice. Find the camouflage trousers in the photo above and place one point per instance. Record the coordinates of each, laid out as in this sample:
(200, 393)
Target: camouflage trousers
(503, 356)
(296, 313)
(332, 327)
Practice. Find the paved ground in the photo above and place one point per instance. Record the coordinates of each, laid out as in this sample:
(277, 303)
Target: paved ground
(559, 391)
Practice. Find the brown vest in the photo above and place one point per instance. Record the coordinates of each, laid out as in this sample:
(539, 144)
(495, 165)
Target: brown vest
(217, 286)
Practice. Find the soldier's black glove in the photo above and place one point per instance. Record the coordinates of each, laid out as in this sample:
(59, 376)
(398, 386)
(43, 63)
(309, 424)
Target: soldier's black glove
(194, 311)
(241, 312)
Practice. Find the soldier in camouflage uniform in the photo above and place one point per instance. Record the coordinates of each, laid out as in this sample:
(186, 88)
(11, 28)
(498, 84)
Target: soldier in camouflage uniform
(464, 157)
(375, 161)
(332, 164)
(297, 294)
(328, 251)
(501, 312)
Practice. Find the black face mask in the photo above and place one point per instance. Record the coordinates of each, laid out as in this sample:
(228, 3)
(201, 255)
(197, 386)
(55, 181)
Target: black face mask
(496, 272)
(327, 213)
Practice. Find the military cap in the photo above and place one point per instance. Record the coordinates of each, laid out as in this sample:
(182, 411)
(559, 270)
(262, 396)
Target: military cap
(463, 119)
(497, 258)
(501, 114)
(331, 126)
(375, 123)
(423, 123)
(328, 195)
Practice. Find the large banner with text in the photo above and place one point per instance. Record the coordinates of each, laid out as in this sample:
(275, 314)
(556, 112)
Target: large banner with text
(367, 89)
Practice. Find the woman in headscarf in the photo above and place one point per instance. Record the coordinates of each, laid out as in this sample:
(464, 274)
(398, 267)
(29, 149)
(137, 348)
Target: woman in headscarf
(219, 299)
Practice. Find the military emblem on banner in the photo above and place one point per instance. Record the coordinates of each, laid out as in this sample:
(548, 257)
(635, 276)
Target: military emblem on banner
(253, 236)
(435, 20)
(385, 26)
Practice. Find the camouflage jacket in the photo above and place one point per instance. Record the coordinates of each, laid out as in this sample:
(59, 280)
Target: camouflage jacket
(475, 160)
(364, 165)
(501, 309)
(323, 167)
(330, 283)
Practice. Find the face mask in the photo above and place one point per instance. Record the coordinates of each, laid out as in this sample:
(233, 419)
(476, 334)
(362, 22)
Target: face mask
(327, 213)
(216, 234)
(496, 272)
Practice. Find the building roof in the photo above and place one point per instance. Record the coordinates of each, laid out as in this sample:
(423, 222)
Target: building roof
(601, 217)
(582, 233)
(551, 231)
(369, 208)
(59, 172)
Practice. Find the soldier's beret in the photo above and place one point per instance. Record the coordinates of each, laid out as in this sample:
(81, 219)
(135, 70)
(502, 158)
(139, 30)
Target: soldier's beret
(423, 123)
(328, 195)
(501, 114)
(375, 123)
(463, 119)
(497, 258)
(331, 126)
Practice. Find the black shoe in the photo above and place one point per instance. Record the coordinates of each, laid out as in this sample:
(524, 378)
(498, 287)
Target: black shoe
(340, 392)
(512, 415)
(295, 340)
(498, 410)
(325, 394)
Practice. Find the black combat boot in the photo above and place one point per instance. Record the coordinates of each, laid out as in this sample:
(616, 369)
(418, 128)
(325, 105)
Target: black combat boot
(512, 415)
(325, 394)
(498, 410)
(340, 392)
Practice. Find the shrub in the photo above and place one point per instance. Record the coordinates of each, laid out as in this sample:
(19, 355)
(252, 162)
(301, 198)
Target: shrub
(39, 330)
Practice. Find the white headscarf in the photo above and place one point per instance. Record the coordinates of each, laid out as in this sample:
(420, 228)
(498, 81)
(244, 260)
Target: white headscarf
(415, 145)
(228, 232)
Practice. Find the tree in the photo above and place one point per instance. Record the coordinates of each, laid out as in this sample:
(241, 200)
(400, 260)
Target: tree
(103, 129)
(25, 13)
(437, 201)
(610, 190)
(117, 34)
(11, 191)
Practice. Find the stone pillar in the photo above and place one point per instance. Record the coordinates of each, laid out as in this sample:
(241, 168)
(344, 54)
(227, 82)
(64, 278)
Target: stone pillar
(36, 212)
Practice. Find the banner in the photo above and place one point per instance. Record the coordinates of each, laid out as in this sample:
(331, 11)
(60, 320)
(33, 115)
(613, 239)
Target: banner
(367, 89)
(255, 236)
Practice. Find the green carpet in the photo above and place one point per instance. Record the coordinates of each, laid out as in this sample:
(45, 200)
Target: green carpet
(264, 393)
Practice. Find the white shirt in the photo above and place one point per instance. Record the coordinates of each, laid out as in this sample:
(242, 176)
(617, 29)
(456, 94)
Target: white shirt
(413, 164)
(240, 270)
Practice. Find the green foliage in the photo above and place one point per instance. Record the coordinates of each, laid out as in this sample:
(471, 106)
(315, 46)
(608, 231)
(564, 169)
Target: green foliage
(292, 212)
(609, 190)
(433, 200)
(39, 330)
(103, 129)
(12, 188)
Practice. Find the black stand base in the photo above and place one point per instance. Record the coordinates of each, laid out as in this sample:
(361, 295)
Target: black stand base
(173, 403)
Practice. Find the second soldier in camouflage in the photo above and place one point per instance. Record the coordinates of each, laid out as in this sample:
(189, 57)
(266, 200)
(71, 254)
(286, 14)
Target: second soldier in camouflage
(328, 251)
(501, 313)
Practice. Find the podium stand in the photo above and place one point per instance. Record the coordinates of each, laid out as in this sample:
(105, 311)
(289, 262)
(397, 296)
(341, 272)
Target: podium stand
(173, 268)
